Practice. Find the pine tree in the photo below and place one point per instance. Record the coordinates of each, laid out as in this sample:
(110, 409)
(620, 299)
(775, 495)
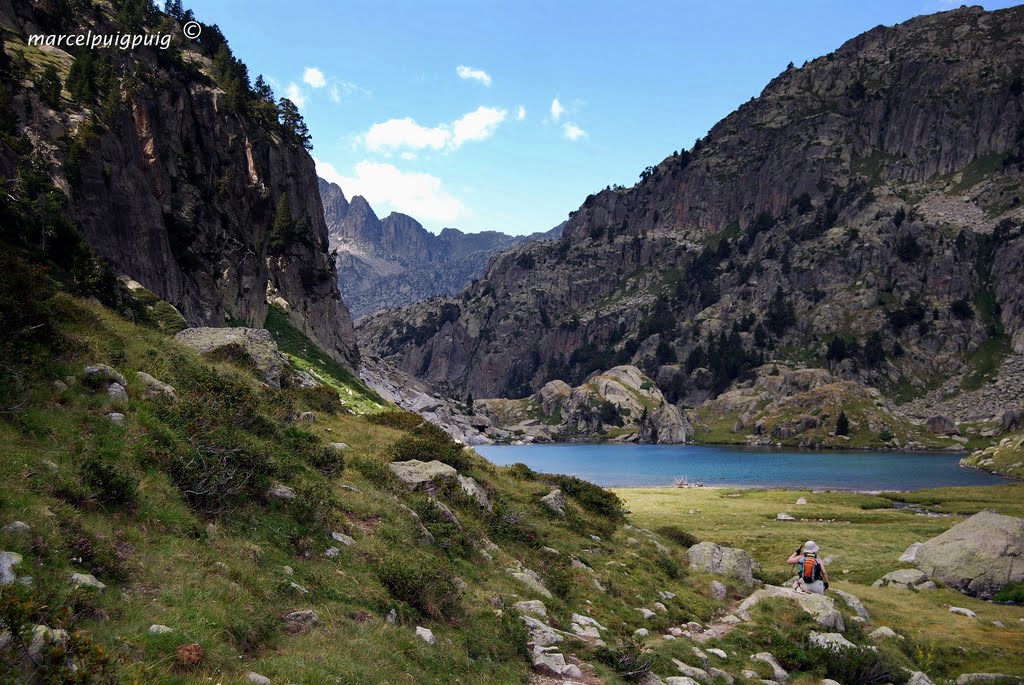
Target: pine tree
(293, 123)
(842, 424)
(283, 227)
(48, 85)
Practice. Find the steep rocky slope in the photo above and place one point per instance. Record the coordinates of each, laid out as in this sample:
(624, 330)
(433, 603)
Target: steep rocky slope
(179, 174)
(863, 215)
(392, 262)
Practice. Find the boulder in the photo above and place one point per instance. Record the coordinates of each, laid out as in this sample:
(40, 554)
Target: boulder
(17, 528)
(978, 556)
(190, 655)
(883, 633)
(719, 591)
(780, 674)
(101, 374)
(342, 538)
(158, 629)
(919, 678)
(281, 492)
(961, 611)
(1000, 678)
(698, 674)
(941, 425)
(476, 491)
(155, 389)
(116, 417)
(257, 344)
(87, 580)
(833, 641)
(910, 555)
(853, 602)
(44, 637)
(555, 501)
(726, 561)
(8, 560)
(422, 476)
(426, 634)
(783, 516)
(252, 677)
(531, 607)
(906, 578)
(822, 608)
(117, 392)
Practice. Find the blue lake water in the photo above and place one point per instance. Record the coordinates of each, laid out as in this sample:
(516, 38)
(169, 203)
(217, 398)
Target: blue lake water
(658, 465)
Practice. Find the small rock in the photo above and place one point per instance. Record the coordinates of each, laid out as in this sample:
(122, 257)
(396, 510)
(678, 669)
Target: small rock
(301, 620)
(658, 606)
(339, 446)
(853, 602)
(780, 674)
(426, 635)
(117, 392)
(17, 528)
(157, 629)
(998, 624)
(306, 417)
(641, 632)
(719, 591)
(698, 674)
(87, 580)
(646, 613)
(116, 417)
(549, 662)
(190, 655)
(883, 633)
(918, 678)
(155, 389)
(532, 607)
(802, 501)
(730, 619)
(252, 677)
(332, 552)
(298, 588)
(783, 516)
(288, 570)
(550, 550)
(833, 641)
(555, 501)
(571, 671)
(963, 612)
(719, 653)
(43, 637)
(343, 539)
(392, 616)
(281, 492)
(101, 373)
(59, 386)
(719, 674)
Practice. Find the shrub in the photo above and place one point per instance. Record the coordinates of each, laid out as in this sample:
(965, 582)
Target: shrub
(522, 472)
(375, 471)
(398, 419)
(593, 498)
(855, 665)
(427, 442)
(110, 482)
(678, 536)
(1014, 592)
(842, 424)
(627, 658)
(422, 581)
(510, 525)
(669, 565)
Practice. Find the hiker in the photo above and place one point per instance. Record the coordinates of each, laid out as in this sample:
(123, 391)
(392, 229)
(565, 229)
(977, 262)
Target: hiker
(812, 574)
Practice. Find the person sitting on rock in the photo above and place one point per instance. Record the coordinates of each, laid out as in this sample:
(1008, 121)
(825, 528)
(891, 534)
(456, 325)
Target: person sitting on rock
(812, 576)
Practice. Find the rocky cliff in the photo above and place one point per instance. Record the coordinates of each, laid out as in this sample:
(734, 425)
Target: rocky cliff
(392, 262)
(863, 215)
(178, 173)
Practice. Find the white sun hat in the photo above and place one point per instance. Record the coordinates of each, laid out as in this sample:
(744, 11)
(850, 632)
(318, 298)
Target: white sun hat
(811, 546)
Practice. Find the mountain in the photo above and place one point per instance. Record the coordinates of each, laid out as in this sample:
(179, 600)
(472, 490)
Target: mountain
(395, 261)
(180, 176)
(863, 214)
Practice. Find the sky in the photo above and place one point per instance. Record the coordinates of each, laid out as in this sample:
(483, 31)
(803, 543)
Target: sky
(505, 114)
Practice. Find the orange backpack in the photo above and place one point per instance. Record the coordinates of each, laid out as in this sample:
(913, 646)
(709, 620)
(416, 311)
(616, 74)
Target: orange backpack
(811, 568)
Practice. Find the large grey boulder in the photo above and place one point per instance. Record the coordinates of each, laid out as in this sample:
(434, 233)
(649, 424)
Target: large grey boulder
(422, 476)
(822, 608)
(941, 425)
(101, 374)
(555, 501)
(905, 578)
(725, 561)
(978, 556)
(474, 490)
(853, 602)
(153, 388)
(257, 343)
(8, 560)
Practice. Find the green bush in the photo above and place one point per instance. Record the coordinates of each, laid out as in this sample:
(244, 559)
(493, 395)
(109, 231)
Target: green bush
(397, 419)
(669, 566)
(375, 471)
(427, 442)
(522, 472)
(422, 581)
(678, 536)
(627, 658)
(855, 665)
(1014, 592)
(111, 483)
(593, 498)
(510, 525)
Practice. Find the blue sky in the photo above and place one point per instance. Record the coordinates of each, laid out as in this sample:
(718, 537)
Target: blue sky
(553, 100)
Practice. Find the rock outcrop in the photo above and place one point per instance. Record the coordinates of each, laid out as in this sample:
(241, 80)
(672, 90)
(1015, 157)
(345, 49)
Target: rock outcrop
(725, 561)
(1005, 458)
(979, 556)
(822, 608)
(619, 404)
(178, 185)
(256, 346)
(393, 262)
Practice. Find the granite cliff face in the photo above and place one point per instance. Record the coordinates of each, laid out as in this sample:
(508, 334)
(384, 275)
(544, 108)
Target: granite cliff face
(863, 214)
(175, 182)
(393, 262)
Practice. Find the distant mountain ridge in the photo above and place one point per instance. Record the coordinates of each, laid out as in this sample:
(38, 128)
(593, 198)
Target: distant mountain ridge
(394, 262)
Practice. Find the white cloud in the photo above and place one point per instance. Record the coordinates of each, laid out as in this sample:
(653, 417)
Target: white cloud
(474, 126)
(573, 132)
(520, 113)
(335, 94)
(556, 109)
(387, 188)
(409, 156)
(314, 77)
(294, 93)
(396, 133)
(477, 125)
(470, 74)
